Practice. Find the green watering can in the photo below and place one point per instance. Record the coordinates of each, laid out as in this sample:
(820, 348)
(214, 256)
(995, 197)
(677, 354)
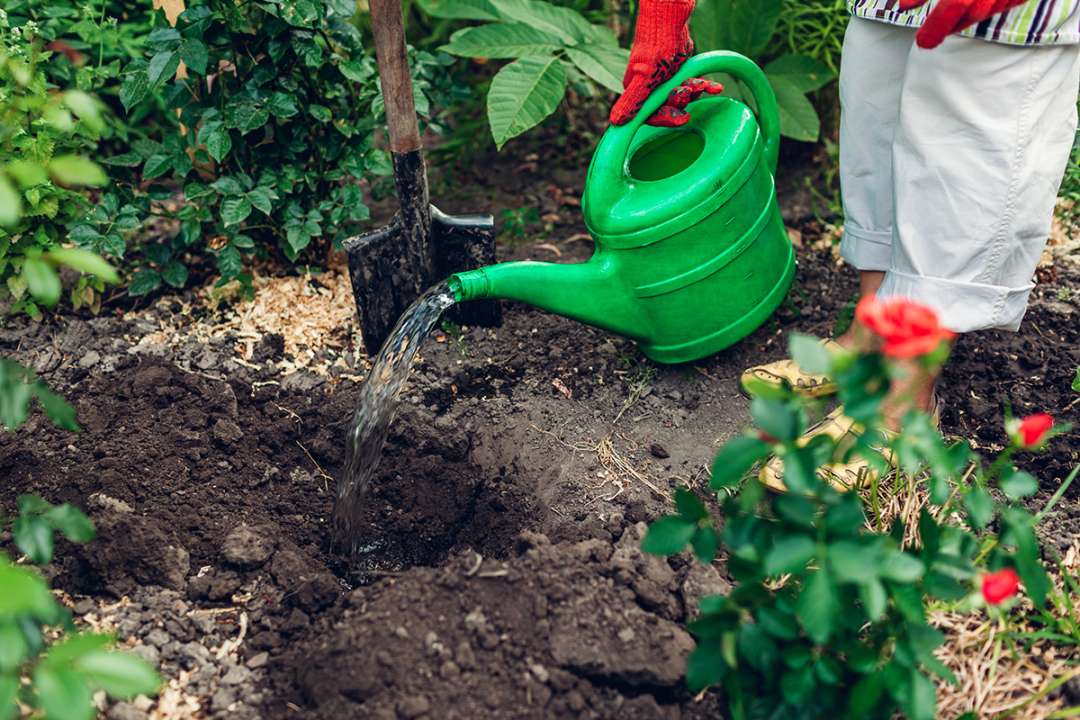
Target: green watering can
(691, 252)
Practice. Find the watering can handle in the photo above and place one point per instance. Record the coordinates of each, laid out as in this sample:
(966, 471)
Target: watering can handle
(720, 61)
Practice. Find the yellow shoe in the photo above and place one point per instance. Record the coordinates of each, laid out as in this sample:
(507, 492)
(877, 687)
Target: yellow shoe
(843, 476)
(804, 383)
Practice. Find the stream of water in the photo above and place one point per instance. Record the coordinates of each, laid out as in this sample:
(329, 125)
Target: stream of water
(378, 405)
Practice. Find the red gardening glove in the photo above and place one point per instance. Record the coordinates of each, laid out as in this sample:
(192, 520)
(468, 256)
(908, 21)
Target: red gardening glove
(950, 16)
(673, 112)
(661, 45)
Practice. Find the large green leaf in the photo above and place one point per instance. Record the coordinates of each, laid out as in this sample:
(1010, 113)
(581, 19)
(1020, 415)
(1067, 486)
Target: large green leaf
(84, 261)
(119, 674)
(13, 648)
(42, 280)
(798, 118)
(502, 40)
(72, 522)
(805, 73)
(563, 22)
(459, 9)
(735, 459)
(605, 65)
(818, 606)
(668, 535)
(10, 202)
(522, 94)
(9, 690)
(77, 170)
(34, 537)
(742, 26)
(709, 25)
(63, 694)
(24, 592)
(789, 553)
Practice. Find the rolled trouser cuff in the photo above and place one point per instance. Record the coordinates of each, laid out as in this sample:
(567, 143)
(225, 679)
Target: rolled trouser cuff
(962, 306)
(866, 249)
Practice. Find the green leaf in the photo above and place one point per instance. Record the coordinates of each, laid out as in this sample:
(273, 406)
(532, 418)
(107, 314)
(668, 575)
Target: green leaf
(865, 695)
(522, 94)
(689, 507)
(156, 166)
(175, 274)
(77, 645)
(85, 262)
(605, 65)
(228, 185)
(810, 354)
(72, 522)
(706, 665)
(668, 535)
(501, 40)
(42, 281)
(121, 675)
(818, 607)
(62, 694)
(134, 89)
(144, 282)
(980, 507)
(920, 702)
(757, 647)
(162, 67)
(705, 543)
(566, 24)
(779, 418)
(85, 108)
(218, 143)
(804, 73)
(789, 554)
(10, 202)
(229, 262)
(34, 537)
(261, 198)
(282, 105)
(1018, 484)
(900, 567)
(459, 9)
(874, 600)
(321, 112)
(25, 593)
(195, 55)
(13, 650)
(854, 561)
(798, 684)
(1076, 381)
(77, 170)
(777, 623)
(798, 118)
(735, 459)
(234, 210)
(58, 410)
(248, 116)
(9, 690)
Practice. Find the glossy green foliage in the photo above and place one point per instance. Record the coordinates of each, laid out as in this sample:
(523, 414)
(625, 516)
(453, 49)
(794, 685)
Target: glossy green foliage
(551, 48)
(65, 672)
(749, 27)
(828, 617)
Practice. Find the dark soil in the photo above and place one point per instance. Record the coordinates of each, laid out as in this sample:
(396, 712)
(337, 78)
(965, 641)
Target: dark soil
(505, 580)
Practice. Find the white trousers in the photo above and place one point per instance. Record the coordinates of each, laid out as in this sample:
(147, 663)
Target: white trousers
(950, 164)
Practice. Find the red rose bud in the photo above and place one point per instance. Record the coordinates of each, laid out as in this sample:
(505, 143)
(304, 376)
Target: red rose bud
(1032, 430)
(1000, 586)
(908, 328)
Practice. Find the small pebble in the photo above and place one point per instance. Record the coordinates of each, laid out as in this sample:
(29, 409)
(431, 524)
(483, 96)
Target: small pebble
(258, 660)
(413, 707)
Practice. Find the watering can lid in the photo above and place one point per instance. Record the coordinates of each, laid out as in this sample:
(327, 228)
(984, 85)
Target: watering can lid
(629, 211)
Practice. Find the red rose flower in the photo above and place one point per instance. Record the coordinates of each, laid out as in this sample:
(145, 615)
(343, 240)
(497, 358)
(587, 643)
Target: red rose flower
(1032, 430)
(1000, 586)
(908, 328)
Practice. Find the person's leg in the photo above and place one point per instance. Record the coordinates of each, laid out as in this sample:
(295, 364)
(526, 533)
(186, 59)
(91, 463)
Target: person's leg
(984, 137)
(872, 71)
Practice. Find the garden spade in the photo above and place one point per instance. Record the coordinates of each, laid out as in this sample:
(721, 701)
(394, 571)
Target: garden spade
(391, 266)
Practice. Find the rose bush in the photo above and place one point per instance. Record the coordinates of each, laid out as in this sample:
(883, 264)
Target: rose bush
(829, 613)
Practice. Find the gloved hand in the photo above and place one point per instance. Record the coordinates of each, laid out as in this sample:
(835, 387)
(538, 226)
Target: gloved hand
(950, 16)
(661, 45)
(673, 112)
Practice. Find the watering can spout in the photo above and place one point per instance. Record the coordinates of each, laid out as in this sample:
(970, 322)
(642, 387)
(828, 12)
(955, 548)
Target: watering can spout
(588, 292)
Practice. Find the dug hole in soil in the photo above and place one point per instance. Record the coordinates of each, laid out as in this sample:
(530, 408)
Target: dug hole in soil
(503, 578)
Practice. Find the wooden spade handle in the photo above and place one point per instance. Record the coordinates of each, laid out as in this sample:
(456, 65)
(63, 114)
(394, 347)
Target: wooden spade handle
(387, 23)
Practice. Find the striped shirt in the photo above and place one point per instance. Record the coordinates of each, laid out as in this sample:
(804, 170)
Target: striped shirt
(1036, 22)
